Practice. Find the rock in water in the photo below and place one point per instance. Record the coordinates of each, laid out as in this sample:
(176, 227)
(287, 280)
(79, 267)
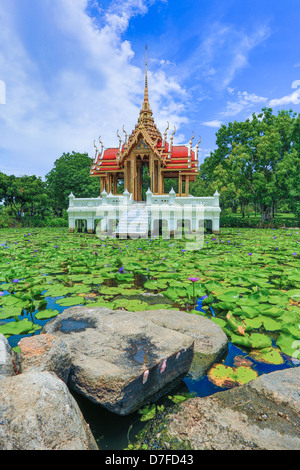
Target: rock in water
(45, 352)
(121, 359)
(37, 412)
(8, 359)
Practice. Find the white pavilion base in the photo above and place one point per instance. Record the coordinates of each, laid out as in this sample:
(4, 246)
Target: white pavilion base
(167, 214)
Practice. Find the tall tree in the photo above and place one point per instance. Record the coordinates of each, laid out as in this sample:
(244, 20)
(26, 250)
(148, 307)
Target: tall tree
(245, 163)
(24, 194)
(71, 173)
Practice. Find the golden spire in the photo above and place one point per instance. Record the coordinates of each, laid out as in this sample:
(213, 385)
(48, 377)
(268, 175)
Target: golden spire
(146, 95)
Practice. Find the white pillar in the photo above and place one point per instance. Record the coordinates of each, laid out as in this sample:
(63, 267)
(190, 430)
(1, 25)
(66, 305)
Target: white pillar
(90, 225)
(216, 225)
(71, 224)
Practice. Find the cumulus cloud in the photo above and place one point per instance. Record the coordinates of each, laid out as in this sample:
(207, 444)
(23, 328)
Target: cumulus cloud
(214, 123)
(292, 98)
(90, 87)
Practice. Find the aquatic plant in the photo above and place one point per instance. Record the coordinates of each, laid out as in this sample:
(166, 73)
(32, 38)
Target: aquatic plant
(251, 291)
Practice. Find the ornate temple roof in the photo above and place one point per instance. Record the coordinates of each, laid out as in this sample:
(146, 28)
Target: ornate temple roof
(173, 158)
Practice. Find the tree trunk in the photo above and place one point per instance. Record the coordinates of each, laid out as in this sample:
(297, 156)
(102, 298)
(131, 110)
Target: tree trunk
(266, 212)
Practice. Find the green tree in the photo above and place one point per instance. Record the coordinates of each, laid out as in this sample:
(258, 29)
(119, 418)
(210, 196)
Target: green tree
(24, 194)
(71, 173)
(245, 164)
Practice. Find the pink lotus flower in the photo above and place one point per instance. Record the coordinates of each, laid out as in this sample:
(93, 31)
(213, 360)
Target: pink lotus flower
(194, 279)
(163, 366)
(145, 376)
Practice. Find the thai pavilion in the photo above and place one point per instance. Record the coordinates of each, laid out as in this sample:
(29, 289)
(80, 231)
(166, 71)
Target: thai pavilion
(144, 152)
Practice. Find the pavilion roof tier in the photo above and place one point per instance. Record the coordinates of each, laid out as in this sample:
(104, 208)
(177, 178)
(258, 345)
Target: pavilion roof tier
(181, 159)
(105, 162)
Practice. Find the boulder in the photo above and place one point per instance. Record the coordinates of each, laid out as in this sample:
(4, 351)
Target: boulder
(210, 342)
(262, 414)
(45, 352)
(8, 359)
(37, 412)
(121, 359)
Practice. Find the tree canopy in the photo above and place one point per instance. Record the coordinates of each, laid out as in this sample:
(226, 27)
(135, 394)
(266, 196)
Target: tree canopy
(256, 162)
(71, 173)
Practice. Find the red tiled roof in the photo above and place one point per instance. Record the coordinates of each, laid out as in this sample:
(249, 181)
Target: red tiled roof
(180, 160)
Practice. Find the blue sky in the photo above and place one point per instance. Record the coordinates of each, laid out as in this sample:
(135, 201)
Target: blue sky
(73, 70)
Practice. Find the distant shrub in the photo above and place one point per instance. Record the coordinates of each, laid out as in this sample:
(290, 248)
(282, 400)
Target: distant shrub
(247, 222)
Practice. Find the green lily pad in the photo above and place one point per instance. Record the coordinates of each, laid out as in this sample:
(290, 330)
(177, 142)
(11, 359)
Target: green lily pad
(46, 314)
(231, 297)
(267, 355)
(294, 295)
(225, 376)
(259, 341)
(289, 345)
(70, 301)
(18, 328)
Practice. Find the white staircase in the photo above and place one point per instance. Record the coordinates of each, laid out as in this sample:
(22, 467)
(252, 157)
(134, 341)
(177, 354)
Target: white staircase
(134, 223)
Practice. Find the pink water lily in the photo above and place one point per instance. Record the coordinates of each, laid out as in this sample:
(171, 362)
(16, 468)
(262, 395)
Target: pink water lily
(145, 376)
(194, 279)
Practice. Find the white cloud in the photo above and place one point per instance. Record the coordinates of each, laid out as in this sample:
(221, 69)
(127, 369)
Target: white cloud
(94, 89)
(244, 102)
(292, 98)
(214, 123)
(226, 49)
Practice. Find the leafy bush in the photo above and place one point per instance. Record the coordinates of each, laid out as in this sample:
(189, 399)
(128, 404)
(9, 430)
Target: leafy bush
(232, 221)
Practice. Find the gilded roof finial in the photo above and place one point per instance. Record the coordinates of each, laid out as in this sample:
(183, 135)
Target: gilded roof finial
(166, 131)
(125, 136)
(146, 95)
(96, 152)
(198, 146)
(191, 143)
(172, 137)
(102, 147)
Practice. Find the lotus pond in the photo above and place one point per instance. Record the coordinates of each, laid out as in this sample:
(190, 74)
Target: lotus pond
(246, 280)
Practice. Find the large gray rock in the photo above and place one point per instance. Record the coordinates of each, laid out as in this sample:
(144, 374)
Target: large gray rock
(8, 359)
(262, 414)
(45, 352)
(37, 412)
(121, 359)
(210, 342)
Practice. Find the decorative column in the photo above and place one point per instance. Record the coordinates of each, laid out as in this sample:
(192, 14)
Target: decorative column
(187, 181)
(90, 225)
(172, 196)
(71, 215)
(115, 183)
(180, 185)
(217, 199)
(216, 225)
(149, 196)
(102, 184)
(104, 196)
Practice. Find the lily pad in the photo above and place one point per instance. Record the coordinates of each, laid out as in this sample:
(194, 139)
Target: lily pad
(267, 355)
(225, 376)
(46, 314)
(70, 301)
(18, 328)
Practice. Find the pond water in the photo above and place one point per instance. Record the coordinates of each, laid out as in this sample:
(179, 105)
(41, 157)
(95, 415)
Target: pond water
(113, 432)
(214, 264)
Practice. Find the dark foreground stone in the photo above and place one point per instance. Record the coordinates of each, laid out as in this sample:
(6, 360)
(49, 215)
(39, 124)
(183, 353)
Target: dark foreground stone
(37, 412)
(262, 414)
(121, 359)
